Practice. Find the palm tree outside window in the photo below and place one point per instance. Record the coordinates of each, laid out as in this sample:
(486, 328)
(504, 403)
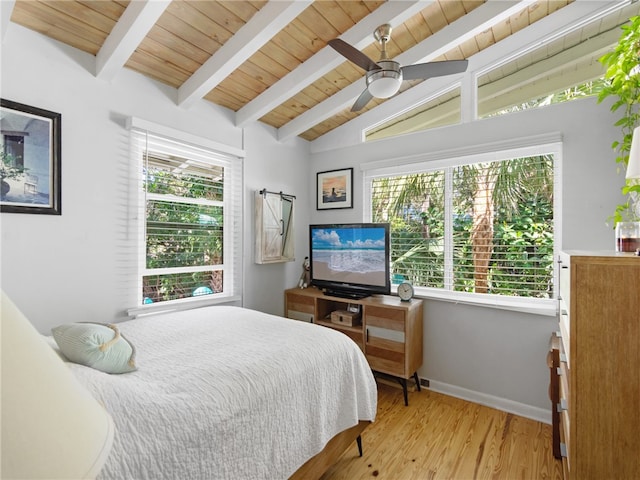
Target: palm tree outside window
(484, 227)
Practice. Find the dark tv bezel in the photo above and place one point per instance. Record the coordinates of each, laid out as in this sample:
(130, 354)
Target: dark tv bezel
(350, 289)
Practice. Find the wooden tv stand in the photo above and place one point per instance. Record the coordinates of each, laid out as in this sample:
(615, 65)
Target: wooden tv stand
(389, 332)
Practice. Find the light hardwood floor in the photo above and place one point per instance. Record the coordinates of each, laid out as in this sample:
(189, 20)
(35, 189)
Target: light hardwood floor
(441, 437)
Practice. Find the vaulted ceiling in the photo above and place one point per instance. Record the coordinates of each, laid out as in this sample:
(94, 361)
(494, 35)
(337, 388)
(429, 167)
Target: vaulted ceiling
(269, 61)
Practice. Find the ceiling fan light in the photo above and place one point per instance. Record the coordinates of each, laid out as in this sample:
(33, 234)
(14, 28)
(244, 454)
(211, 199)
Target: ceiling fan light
(385, 87)
(385, 83)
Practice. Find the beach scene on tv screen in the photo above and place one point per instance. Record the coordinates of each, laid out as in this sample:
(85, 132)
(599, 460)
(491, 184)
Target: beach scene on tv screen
(349, 255)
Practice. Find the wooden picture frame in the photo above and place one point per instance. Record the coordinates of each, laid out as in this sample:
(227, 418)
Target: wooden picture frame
(30, 159)
(334, 189)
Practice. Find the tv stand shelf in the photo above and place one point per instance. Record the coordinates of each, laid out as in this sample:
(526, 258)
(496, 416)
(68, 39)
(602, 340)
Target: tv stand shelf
(390, 334)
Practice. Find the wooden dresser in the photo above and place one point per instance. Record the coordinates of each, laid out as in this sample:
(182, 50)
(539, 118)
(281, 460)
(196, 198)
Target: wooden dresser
(598, 375)
(389, 331)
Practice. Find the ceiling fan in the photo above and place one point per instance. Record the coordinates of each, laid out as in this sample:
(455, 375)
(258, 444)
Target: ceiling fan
(385, 76)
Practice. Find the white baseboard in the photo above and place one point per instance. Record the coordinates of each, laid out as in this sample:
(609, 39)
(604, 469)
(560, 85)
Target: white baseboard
(517, 408)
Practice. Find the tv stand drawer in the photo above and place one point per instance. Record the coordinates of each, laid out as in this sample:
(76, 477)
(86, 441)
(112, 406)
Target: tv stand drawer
(385, 318)
(390, 334)
(300, 303)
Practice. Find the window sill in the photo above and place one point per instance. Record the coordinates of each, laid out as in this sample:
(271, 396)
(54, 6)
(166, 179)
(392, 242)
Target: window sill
(182, 304)
(537, 306)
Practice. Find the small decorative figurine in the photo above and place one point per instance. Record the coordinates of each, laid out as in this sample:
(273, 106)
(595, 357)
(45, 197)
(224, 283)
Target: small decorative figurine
(305, 278)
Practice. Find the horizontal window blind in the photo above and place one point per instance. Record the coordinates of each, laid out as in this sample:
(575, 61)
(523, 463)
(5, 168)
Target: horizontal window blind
(483, 227)
(190, 240)
(414, 206)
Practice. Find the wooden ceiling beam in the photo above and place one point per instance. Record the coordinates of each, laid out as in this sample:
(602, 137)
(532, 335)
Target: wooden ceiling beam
(463, 29)
(327, 59)
(264, 25)
(444, 40)
(573, 16)
(132, 27)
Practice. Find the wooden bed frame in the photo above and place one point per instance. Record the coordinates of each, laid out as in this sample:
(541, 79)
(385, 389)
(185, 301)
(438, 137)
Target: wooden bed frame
(320, 463)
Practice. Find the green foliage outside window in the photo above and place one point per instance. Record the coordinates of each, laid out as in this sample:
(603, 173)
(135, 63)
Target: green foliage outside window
(184, 228)
(511, 255)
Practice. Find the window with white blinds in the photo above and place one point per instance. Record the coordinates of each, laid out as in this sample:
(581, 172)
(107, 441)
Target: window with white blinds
(480, 227)
(190, 221)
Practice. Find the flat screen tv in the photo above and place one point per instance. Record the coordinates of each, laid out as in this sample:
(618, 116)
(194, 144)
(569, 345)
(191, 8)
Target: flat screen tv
(350, 260)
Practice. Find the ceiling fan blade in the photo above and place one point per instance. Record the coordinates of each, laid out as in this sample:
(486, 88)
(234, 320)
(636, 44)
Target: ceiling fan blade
(433, 69)
(353, 54)
(362, 100)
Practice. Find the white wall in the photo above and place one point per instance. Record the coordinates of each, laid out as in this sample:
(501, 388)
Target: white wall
(495, 356)
(72, 267)
(278, 168)
(77, 266)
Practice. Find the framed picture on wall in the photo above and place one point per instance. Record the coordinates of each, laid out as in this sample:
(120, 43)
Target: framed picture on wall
(30, 159)
(335, 189)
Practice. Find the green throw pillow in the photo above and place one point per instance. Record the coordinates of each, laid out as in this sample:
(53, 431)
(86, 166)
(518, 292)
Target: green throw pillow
(96, 345)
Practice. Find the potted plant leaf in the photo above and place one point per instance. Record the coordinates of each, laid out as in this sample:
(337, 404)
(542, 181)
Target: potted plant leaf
(622, 80)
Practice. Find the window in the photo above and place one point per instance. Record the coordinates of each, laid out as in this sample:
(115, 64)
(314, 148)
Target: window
(440, 111)
(190, 221)
(481, 225)
(14, 146)
(574, 92)
(520, 74)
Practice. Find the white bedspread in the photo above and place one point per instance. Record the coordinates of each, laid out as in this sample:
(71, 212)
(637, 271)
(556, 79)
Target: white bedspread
(226, 392)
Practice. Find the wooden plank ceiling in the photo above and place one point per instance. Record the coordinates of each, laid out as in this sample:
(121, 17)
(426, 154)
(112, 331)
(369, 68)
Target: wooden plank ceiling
(265, 85)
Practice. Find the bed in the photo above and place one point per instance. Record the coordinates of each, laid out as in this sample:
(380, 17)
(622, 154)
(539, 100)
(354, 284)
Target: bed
(228, 392)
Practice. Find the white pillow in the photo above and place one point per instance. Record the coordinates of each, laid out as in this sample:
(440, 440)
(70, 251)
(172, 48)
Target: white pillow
(96, 345)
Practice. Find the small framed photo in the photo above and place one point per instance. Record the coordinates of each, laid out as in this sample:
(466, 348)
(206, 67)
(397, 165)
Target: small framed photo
(29, 159)
(335, 189)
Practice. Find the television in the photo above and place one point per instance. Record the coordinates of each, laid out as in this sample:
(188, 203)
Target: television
(350, 260)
